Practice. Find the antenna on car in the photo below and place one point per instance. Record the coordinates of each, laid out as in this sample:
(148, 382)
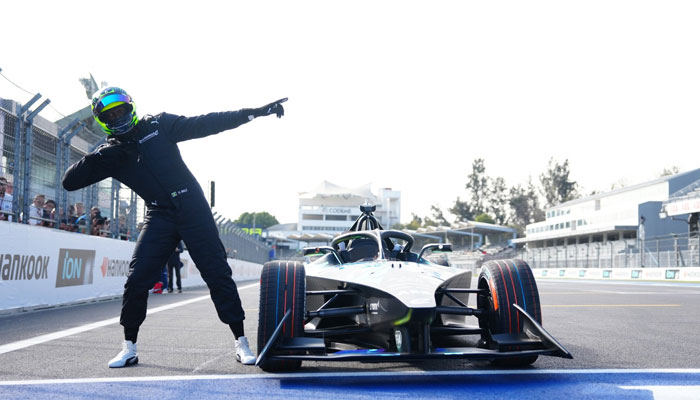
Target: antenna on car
(366, 221)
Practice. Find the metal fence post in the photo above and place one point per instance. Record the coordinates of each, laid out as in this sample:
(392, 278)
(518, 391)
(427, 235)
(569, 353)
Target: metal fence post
(17, 200)
(61, 148)
(28, 157)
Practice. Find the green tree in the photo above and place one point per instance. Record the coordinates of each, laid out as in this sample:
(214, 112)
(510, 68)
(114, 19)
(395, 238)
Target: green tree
(415, 223)
(557, 186)
(462, 210)
(436, 216)
(478, 186)
(524, 205)
(498, 200)
(261, 220)
(483, 217)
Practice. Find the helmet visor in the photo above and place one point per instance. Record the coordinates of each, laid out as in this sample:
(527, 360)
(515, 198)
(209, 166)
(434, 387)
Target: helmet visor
(110, 115)
(110, 101)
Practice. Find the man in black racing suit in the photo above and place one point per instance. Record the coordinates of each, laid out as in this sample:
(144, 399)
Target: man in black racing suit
(143, 154)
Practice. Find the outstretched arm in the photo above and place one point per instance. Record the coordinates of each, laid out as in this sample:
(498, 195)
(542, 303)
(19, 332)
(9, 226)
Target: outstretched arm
(92, 168)
(184, 128)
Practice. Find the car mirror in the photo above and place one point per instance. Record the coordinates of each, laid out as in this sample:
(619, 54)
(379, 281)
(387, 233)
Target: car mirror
(318, 251)
(435, 248)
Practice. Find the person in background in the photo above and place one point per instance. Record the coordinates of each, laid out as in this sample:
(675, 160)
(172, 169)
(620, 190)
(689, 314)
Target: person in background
(48, 213)
(5, 201)
(174, 265)
(36, 210)
(80, 218)
(143, 154)
(68, 221)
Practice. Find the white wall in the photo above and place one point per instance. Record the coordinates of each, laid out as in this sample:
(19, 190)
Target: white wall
(42, 267)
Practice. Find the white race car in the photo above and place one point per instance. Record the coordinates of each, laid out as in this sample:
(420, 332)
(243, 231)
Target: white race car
(368, 297)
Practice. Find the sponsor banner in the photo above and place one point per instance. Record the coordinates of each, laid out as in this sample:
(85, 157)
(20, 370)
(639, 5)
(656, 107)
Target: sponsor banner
(42, 267)
(620, 273)
(685, 274)
(74, 267)
(683, 207)
(114, 267)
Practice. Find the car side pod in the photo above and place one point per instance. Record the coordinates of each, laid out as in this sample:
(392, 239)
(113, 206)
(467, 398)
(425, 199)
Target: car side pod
(532, 336)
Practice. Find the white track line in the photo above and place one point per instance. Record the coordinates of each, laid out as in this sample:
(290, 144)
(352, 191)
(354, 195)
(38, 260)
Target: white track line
(372, 374)
(6, 348)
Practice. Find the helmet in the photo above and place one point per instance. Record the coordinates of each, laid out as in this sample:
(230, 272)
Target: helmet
(123, 117)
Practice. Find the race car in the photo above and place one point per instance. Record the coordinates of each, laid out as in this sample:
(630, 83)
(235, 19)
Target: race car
(369, 297)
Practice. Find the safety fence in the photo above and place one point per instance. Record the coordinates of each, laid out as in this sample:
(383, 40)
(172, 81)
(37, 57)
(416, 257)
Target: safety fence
(35, 154)
(655, 252)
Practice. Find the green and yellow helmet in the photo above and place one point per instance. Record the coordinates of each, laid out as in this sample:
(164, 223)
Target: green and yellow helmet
(114, 110)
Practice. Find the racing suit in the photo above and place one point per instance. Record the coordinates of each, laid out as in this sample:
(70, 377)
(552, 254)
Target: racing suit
(147, 160)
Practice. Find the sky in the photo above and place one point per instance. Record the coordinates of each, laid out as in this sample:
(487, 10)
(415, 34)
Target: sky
(400, 94)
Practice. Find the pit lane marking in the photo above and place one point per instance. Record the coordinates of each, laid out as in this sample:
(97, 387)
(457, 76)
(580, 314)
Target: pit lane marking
(608, 305)
(372, 374)
(21, 344)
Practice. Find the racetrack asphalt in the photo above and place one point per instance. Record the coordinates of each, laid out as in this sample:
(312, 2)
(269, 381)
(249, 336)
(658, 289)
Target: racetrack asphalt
(605, 325)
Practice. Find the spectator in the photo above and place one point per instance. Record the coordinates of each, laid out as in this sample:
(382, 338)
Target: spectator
(68, 221)
(80, 218)
(5, 201)
(174, 265)
(48, 213)
(97, 221)
(123, 229)
(36, 210)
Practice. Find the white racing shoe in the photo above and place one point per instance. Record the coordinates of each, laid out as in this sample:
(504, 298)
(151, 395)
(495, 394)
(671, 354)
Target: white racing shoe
(127, 356)
(243, 353)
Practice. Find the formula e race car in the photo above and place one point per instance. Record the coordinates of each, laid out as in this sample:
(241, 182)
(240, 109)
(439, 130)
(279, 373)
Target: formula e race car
(368, 297)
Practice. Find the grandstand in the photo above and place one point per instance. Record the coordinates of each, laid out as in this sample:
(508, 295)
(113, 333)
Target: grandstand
(651, 224)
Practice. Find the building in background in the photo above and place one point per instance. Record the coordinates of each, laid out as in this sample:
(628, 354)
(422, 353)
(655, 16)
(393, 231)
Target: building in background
(651, 224)
(332, 209)
(610, 216)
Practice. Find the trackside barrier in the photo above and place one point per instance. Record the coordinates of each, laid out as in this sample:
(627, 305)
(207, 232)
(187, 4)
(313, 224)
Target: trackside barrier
(41, 268)
(686, 274)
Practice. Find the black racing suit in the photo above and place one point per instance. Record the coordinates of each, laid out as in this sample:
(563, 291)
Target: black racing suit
(147, 160)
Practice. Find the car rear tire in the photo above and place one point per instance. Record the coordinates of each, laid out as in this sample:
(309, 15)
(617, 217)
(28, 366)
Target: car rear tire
(508, 282)
(282, 288)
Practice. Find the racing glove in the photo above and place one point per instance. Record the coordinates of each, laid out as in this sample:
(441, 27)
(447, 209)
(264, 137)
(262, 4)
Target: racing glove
(272, 108)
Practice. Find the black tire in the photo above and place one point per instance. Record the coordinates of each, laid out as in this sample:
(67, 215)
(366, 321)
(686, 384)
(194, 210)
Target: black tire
(282, 288)
(508, 282)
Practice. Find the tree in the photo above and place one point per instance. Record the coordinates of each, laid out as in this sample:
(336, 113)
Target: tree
(415, 223)
(261, 220)
(437, 215)
(462, 210)
(557, 187)
(524, 205)
(478, 185)
(483, 217)
(498, 200)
